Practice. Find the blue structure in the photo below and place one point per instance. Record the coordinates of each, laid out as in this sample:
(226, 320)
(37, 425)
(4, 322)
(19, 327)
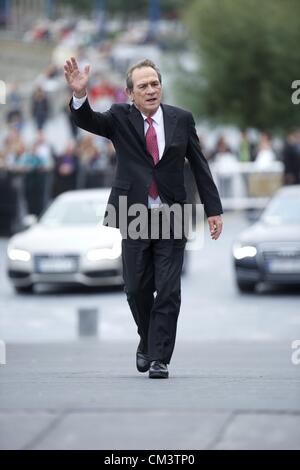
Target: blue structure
(154, 17)
(50, 8)
(100, 9)
(4, 12)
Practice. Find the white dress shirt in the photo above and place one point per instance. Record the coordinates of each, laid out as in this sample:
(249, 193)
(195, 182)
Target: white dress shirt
(158, 123)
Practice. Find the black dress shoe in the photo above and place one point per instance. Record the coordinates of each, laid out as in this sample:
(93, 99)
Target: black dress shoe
(158, 370)
(142, 362)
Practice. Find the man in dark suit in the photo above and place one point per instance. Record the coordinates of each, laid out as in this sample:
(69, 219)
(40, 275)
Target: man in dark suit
(151, 140)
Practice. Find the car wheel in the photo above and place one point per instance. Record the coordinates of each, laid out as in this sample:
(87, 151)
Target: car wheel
(245, 286)
(24, 289)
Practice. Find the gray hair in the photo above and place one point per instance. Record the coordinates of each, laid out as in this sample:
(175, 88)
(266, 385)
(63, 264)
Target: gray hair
(139, 65)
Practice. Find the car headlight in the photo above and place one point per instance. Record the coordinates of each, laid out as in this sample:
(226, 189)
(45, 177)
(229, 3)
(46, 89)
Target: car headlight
(18, 255)
(244, 251)
(104, 253)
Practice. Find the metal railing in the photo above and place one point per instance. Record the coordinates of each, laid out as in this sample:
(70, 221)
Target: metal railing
(247, 186)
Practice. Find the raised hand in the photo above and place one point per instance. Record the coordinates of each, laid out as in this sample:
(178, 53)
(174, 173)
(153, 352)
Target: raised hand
(77, 80)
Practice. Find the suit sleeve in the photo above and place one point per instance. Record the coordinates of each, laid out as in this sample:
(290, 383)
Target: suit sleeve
(207, 189)
(93, 121)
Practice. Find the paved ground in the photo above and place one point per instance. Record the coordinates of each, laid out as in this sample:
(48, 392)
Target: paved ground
(88, 395)
(232, 382)
(212, 308)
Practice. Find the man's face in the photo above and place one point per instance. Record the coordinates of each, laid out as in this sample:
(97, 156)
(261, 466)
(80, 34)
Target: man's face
(146, 92)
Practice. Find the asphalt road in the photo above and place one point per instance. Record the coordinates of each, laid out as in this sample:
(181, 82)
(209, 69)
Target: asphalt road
(212, 308)
(232, 385)
(88, 395)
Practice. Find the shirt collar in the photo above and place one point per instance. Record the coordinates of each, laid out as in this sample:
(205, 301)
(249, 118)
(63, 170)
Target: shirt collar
(157, 117)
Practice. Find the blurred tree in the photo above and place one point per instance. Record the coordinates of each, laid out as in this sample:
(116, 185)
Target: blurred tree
(248, 55)
(128, 7)
(79, 5)
(113, 6)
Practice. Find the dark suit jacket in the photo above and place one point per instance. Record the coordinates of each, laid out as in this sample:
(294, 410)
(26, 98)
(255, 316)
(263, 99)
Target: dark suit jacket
(123, 124)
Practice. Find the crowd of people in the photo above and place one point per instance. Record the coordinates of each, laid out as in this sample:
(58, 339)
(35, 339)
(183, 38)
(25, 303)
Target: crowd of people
(263, 156)
(37, 172)
(263, 153)
(84, 163)
(33, 173)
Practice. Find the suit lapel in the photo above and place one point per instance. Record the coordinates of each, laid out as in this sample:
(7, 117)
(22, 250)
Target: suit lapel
(170, 120)
(137, 122)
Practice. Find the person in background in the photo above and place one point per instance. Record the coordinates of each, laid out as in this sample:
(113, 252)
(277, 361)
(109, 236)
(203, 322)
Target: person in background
(66, 171)
(91, 161)
(220, 147)
(245, 152)
(14, 114)
(265, 155)
(245, 156)
(226, 164)
(73, 128)
(3, 165)
(44, 151)
(40, 107)
(13, 147)
(291, 158)
(46, 154)
(31, 165)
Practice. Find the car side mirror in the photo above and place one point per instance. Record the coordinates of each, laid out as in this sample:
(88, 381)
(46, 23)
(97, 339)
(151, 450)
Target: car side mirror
(253, 215)
(29, 220)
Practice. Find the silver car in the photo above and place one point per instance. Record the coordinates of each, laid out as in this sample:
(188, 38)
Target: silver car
(68, 245)
(269, 250)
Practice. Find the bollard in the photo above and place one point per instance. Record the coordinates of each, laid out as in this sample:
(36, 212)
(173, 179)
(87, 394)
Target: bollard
(88, 322)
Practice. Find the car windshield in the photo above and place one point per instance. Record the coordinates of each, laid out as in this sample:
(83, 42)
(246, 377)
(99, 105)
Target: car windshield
(88, 212)
(282, 210)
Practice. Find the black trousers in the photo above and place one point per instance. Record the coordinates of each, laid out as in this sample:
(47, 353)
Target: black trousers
(152, 276)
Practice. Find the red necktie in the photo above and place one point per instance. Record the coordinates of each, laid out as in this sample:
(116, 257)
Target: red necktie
(152, 147)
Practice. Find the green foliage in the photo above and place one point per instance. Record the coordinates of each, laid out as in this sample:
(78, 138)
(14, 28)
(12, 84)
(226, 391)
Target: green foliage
(248, 54)
(137, 8)
(78, 5)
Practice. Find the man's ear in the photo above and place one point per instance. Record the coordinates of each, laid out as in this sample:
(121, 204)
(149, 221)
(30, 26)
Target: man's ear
(129, 93)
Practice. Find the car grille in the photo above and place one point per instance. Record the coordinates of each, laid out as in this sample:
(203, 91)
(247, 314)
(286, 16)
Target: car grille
(281, 253)
(56, 264)
(283, 258)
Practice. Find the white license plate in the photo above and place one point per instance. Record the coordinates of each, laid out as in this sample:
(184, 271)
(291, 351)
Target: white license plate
(284, 266)
(57, 265)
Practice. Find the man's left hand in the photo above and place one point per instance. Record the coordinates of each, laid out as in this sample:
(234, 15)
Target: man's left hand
(215, 226)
